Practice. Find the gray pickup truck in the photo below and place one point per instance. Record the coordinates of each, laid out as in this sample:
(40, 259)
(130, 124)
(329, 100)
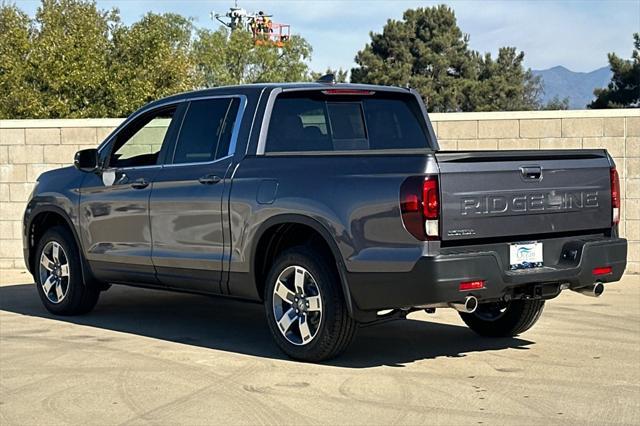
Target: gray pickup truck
(329, 203)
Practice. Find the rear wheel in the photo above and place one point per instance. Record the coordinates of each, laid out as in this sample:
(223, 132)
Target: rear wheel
(58, 275)
(504, 319)
(305, 307)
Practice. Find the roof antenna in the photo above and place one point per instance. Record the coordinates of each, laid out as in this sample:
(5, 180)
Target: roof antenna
(327, 79)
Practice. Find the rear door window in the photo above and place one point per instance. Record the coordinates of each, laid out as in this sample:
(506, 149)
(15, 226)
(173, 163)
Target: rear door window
(312, 121)
(206, 131)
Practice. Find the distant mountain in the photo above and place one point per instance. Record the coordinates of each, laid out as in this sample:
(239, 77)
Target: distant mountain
(577, 86)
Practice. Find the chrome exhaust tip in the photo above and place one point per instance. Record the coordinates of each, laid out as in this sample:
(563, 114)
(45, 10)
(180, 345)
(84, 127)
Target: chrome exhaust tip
(469, 305)
(594, 290)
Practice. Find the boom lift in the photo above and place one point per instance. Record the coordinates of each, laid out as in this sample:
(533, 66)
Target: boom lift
(263, 29)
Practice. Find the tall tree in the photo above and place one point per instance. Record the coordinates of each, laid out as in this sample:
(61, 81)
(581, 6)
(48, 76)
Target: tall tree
(55, 65)
(69, 59)
(74, 60)
(503, 84)
(428, 51)
(624, 89)
(151, 59)
(231, 57)
(18, 95)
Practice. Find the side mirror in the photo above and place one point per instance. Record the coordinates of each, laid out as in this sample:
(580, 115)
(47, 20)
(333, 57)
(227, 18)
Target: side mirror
(86, 160)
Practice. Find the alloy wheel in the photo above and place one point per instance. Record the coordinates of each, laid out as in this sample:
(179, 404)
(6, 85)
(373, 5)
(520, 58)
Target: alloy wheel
(54, 272)
(297, 305)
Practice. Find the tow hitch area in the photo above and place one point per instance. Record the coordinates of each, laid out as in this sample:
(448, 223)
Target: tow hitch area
(538, 291)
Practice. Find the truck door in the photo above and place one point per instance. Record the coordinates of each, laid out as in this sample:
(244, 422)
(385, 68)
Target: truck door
(186, 208)
(114, 204)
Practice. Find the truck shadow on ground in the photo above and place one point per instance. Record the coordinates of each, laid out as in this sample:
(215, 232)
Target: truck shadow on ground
(240, 327)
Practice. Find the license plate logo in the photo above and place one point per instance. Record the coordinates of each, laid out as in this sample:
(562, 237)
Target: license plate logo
(525, 255)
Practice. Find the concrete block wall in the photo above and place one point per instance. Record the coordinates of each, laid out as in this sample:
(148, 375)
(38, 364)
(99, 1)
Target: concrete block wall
(30, 147)
(27, 149)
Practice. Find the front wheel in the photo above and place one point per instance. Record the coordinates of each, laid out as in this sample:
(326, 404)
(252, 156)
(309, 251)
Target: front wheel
(305, 308)
(58, 275)
(504, 319)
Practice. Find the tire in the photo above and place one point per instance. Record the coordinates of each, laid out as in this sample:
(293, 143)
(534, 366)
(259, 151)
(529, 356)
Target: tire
(504, 319)
(61, 274)
(329, 329)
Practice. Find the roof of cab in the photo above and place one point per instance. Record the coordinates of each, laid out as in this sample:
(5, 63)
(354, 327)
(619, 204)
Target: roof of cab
(246, 89)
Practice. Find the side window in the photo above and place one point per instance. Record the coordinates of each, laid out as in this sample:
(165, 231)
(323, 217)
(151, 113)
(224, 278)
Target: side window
(139, 144)
(205, 134)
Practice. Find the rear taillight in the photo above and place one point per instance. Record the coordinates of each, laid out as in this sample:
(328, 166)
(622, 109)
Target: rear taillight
(430, 198)
(420, 207)
(615, 196)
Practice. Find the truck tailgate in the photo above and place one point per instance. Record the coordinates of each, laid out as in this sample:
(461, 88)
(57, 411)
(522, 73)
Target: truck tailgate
(492, 194)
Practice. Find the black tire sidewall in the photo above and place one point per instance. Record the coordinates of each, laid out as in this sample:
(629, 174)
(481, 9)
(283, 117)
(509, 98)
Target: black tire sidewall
(519, 316)
(333, 305)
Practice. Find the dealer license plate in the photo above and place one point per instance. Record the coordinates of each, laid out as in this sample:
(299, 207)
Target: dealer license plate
(525, 255)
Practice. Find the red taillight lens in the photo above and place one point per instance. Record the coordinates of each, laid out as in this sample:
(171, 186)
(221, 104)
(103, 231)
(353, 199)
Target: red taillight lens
(420, 206)
(604, 270)
(615, 195)
(471, 285)
(430, 198)
(411, 203)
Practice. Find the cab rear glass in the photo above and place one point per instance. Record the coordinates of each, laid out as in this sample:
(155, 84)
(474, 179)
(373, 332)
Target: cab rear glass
(315, 122)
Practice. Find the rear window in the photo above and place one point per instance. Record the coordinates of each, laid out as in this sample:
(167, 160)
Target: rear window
(312, 121)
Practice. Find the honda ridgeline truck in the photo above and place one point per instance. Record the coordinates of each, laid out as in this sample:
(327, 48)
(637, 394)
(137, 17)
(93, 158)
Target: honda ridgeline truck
(329, 203)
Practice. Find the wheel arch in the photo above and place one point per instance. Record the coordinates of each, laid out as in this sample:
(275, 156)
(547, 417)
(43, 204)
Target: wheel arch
(274, 227)
(43, 218)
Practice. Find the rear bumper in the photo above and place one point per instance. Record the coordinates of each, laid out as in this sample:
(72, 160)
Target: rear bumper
(436, 279)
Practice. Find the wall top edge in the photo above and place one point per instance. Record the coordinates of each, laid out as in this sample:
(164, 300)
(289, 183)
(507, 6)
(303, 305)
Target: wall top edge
(449, 116)
(534, 115)
(60, 123)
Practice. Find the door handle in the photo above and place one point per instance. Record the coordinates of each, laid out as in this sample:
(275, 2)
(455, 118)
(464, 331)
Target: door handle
(140, 183)
(209, 179)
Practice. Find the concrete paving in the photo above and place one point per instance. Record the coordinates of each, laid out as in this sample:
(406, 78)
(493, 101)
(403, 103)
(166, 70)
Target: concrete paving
(150, 357)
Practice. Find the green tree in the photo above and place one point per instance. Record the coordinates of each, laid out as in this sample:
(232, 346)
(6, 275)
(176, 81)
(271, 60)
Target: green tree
(149, 60)
(624, 89)
(427, 51)
(68, 59)
(74, 60)
(18, 95)
(56, 65)
(226, 57)
(503, 84)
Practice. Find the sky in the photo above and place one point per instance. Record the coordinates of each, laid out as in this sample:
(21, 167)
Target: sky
(576, 34)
